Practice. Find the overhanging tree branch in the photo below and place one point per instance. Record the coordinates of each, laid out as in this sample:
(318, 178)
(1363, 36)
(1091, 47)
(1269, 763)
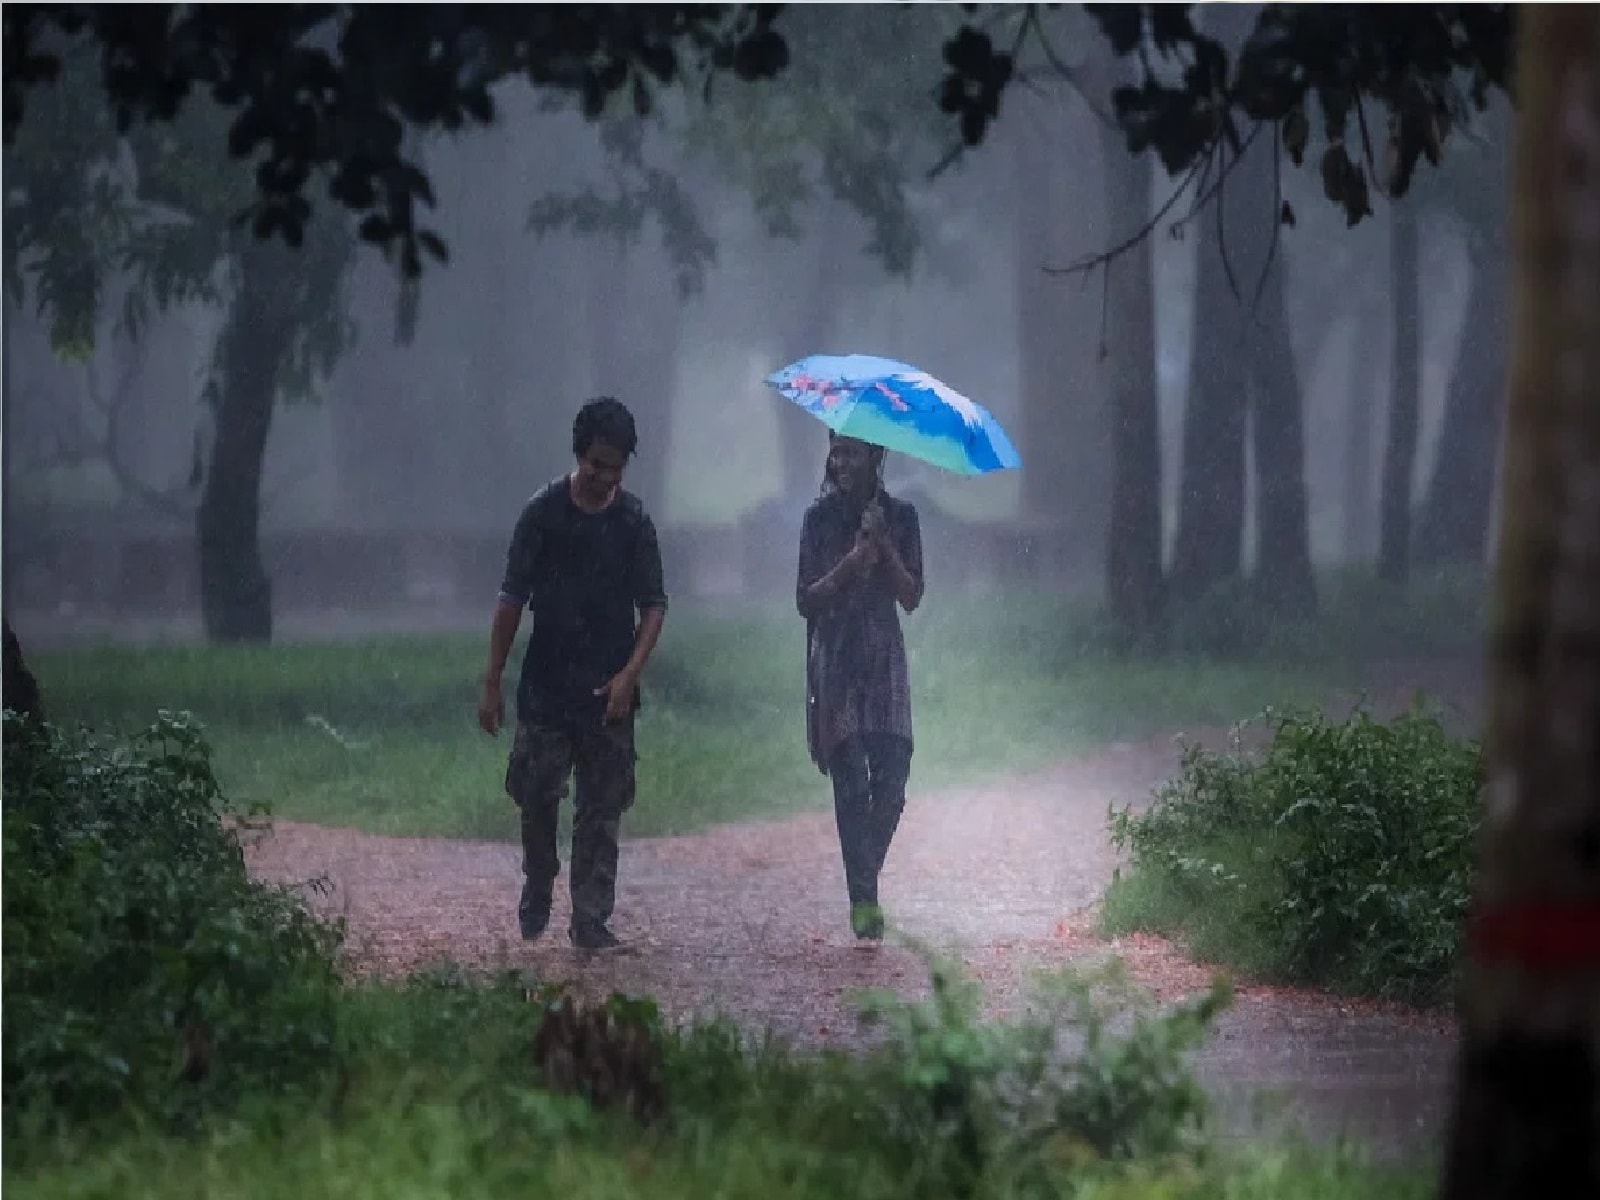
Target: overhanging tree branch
(1201, 202)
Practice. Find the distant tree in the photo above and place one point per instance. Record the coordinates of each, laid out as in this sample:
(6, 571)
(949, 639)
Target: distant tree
(1405, 397)
(1136, 584)
(1243, 390)
(309, 94)
(150, 219)
(1469, 191)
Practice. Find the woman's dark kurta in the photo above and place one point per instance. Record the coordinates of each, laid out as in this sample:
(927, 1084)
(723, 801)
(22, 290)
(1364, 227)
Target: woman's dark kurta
(857, 680)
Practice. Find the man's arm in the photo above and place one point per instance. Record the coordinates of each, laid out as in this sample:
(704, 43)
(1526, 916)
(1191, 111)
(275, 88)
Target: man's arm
(502, 634)
(650, 598)
(515, 589)
(644, 645)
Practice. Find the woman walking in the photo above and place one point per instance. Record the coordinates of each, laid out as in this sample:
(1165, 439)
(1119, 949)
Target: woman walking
(860, 556)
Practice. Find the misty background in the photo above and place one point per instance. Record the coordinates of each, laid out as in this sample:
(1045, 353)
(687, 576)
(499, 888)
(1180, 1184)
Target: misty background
(674, 262)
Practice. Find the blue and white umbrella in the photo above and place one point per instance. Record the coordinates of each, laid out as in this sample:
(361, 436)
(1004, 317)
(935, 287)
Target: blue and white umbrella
(900, 408)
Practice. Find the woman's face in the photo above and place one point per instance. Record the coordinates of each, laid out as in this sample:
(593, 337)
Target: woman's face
(853, 466)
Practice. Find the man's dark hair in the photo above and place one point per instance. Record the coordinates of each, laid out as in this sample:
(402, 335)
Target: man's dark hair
(604, 419)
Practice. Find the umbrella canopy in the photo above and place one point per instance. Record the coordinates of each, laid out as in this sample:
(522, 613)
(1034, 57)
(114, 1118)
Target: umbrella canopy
(900, 408)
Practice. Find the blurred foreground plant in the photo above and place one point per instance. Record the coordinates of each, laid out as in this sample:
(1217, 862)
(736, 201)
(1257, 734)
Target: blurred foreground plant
(143, 966)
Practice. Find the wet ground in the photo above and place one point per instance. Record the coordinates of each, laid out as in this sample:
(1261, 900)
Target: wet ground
(749, 922)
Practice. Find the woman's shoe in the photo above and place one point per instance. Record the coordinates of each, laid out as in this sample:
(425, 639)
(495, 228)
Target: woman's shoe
(866, 922)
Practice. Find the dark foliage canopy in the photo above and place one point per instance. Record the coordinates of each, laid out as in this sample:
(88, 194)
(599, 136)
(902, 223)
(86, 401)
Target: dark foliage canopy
(336, 88)
(1419, 69)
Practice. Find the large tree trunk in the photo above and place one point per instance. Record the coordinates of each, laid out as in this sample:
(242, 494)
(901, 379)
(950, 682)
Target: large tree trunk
(280, 297)
(1400, 452)
(235, 593)
(1283, 558)
(1208, 548)
(1209, 544)
(1065, 418)
(1526, 1120)
(1453, 525)
(1135, 583)
(1283, 578)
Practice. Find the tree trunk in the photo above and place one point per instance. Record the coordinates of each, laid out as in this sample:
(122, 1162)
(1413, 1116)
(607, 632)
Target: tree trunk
(1135, 583)
(20, 687)
(1249, 212)
(1065, 415)
(1453, 525)
(235, 593)
(1283, 559)
(1400, 453)
(1208, 548)
(1526, 1120)
(1357, 512)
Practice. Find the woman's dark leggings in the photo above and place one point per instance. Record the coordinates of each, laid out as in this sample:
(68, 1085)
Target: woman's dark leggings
(869, 773)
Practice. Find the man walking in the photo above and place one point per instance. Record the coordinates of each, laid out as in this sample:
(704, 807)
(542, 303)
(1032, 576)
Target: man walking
(585, 561)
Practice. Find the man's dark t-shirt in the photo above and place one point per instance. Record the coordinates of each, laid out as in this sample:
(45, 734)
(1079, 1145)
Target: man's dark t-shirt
(585, 577)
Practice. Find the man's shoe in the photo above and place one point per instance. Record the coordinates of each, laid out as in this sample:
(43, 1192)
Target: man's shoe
(533, 923)
(593, 935)
(533, 914)
(866, 921)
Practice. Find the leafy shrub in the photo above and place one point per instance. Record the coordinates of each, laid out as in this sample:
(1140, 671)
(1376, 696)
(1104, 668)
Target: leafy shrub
(1341, 856)
(949, 1103)
(143, 967)
(1062, 1089)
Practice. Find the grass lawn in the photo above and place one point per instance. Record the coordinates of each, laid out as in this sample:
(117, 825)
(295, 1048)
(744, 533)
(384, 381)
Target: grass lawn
(381, 734)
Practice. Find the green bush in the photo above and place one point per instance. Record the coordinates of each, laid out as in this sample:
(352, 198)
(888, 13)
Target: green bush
(1061, 1090)
(143, 967)
(945, 1103)
(1341, 856)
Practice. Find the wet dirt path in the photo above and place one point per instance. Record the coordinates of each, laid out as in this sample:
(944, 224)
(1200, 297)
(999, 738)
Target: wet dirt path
(749, 922)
